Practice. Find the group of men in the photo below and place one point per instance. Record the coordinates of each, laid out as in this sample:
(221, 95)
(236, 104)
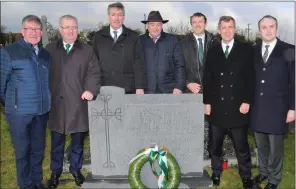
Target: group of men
(242, 86)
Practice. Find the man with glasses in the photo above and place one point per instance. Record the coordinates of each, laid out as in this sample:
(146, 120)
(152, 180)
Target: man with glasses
(24, 92)
(74, 80)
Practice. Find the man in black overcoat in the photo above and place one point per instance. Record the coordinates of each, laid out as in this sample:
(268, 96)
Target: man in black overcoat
(273, 107)
(228, 86)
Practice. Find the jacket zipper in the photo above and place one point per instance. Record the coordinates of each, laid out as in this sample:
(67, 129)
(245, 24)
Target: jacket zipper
(40, 85)
(15, 98)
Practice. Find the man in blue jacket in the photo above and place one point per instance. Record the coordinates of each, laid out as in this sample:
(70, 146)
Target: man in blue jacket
(24, 93)
(163, 58)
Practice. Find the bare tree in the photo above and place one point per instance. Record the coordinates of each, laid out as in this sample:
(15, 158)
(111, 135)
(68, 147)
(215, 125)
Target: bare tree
(3, 29)
(172, 30)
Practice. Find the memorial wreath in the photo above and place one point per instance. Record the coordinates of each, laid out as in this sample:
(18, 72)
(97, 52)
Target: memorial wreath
(168, 177)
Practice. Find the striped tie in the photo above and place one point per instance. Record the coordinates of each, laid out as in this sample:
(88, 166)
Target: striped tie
(265, 55)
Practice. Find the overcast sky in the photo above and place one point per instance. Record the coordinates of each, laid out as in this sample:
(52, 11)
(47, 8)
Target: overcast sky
(90, 13)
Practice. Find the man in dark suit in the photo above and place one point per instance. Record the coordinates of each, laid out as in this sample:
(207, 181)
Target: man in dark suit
(120, 55)
(74, 80)
(195, 47)
(228, 87)
(163, 57)
(273, 106)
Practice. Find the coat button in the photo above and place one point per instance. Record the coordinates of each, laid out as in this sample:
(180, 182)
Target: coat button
(261, 94)
(222, 98)
(264, 69)
(225, 113)
(221, 73)
(222, 86)
(231, 73)
(262, 81)
(61, 97)
(231, 98)
(231, 85)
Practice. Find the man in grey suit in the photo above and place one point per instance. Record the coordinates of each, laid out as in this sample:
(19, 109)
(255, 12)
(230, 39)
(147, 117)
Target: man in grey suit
(273, 104)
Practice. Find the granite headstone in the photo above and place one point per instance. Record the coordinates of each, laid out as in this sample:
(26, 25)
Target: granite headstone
(122, 124)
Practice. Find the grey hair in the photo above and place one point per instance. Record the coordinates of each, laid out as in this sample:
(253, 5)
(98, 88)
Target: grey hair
(32, 18)
(68, 16)
(116, 5)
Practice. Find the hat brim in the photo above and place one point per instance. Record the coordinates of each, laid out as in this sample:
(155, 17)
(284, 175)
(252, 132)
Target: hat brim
(146, 21)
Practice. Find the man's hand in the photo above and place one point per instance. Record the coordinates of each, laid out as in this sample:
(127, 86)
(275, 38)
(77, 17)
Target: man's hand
(207, 109)
(139, 91)
(87, 95)
(193, 87)
(244, 108)
(177, 91)
(290, 116)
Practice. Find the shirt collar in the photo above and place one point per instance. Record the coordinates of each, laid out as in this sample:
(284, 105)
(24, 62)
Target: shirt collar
(230, 44)
(271, 44)
(118, 30)
(156, 37)
(200, 36)
(67, 43)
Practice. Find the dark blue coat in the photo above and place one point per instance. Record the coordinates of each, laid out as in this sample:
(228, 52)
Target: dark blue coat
(24, 79)
(164, 63)
(274, 91)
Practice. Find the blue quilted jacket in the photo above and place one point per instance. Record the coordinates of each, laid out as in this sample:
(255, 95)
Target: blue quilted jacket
(24, 86)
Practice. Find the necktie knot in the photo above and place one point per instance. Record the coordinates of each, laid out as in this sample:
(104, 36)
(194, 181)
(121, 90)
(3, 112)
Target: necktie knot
(200, 39)
(36, 49)
(154, 38)
(226, 51)
(68, 48)
(115, 36)
(267, 46)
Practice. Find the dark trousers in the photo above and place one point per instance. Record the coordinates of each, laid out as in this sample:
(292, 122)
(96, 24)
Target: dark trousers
(239, 137)
(58, 150)
(28, 137)
(270, 155)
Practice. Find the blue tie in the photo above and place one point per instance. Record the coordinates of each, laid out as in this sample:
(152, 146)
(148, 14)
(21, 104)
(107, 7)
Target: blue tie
(36, 49)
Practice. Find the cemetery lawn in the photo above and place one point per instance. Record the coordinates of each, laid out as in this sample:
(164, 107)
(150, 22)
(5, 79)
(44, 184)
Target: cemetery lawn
(230, 178)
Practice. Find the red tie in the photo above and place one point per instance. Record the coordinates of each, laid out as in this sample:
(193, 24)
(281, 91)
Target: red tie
(154, 39)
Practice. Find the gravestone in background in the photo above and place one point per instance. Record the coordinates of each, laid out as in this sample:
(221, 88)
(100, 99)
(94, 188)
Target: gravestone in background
(121, 125)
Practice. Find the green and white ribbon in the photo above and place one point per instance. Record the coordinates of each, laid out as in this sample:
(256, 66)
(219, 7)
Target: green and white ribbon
(154, 153)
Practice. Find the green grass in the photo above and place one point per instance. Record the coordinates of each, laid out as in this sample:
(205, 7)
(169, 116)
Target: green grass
(229, 179)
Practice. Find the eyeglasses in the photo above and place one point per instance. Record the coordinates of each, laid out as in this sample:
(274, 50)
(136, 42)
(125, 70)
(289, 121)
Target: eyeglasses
(33, 29)
(69, 27)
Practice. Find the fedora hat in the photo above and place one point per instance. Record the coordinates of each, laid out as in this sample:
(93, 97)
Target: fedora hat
(154, 16)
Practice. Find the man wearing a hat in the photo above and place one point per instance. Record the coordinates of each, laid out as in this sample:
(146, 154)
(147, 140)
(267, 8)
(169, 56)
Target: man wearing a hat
(163, 57)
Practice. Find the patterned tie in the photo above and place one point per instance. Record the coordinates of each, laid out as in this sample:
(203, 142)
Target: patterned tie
(68, 48)
(200, 50)
(226, 51)
(36, 50)
(265, 53)
(115, 36)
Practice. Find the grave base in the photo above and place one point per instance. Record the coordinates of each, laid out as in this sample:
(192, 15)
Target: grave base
(203, 181)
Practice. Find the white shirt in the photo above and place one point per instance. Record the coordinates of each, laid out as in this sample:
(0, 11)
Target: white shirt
(230, 44)
(202, 39)
(119, 32)
(270, 48)
(71, 45)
